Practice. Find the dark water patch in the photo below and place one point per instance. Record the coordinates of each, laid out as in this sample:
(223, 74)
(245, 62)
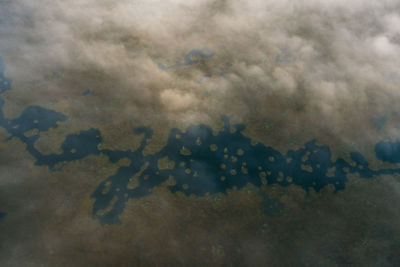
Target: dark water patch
(209, 164)
(34, 117)
(379, 122)
(202, 78)
(271, 207)
(388, 151)
(75, 147)
(86, 92)
(285, 57)
(2, 216)
(192, 57)
(5, 85)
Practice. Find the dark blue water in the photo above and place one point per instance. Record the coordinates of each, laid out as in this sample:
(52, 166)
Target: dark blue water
(192, 57)
(2, 216)
(202, 162)
(86, 92)
(285, 57)
(379, 122)
(234, 164)
(388, 151)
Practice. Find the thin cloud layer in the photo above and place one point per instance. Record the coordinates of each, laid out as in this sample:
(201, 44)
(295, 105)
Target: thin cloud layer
(323, 56)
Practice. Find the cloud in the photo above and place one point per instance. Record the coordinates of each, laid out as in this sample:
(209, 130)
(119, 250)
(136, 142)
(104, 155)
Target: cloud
(175, 100)
(277, 50)
(310, 68)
